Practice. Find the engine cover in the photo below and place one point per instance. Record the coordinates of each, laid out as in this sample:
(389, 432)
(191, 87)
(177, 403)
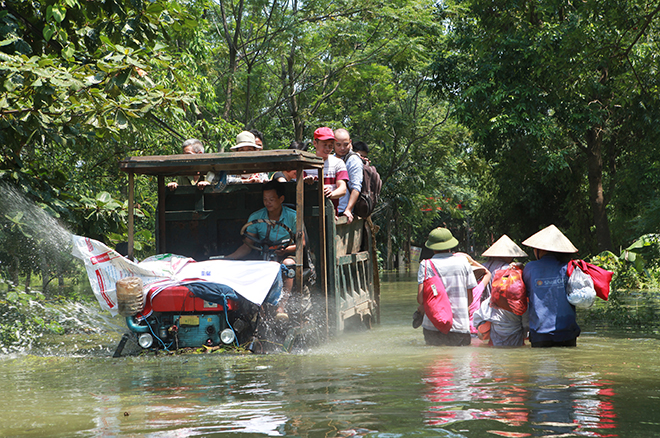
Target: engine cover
(180, 299)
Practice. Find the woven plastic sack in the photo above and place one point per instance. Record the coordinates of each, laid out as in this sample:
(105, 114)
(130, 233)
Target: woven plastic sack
(580, 289)
(436, 302)
(508, 291)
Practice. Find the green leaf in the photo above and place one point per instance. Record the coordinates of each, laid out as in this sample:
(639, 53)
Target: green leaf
(121, 120)
(103, 198)
(58, 12)
(9, 41)
(48, 32)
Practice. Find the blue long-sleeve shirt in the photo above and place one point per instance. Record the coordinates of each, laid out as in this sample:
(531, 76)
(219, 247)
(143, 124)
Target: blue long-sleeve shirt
(355, 168)
(551, 316)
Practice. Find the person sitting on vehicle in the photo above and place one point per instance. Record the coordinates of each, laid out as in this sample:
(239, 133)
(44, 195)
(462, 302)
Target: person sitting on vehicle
(335, 174)
(258, 137)
(290, 175)
(190, 146)
(247, 142)
(273, 198)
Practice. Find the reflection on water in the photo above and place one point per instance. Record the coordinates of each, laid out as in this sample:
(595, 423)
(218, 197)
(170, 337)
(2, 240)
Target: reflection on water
(547, 400)
(382, 383)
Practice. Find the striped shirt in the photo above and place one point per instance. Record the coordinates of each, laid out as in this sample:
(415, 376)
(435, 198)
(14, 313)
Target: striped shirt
(334, 170)
(456, 274)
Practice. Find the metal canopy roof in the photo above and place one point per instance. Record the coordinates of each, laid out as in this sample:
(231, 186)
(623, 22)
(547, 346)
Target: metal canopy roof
(232, 162)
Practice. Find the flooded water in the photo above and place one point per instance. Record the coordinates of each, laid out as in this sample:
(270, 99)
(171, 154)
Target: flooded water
(381, 383)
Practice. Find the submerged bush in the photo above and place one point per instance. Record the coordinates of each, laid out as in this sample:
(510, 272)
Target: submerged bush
(633, 300)
(25, 317)
(23, 321)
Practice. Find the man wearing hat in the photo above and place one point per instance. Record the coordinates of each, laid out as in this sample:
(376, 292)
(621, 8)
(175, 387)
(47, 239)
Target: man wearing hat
(551, 317)
(335, 175)
(247, 142)
(458, 279)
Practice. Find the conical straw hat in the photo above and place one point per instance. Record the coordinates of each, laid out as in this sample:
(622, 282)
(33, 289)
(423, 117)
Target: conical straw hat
(504, 247)
(551, 239)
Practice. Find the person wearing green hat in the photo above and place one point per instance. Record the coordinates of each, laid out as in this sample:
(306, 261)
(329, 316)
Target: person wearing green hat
(552, 321)
(455, 271)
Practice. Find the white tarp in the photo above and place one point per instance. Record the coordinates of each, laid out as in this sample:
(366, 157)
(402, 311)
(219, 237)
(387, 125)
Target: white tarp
(250, 279)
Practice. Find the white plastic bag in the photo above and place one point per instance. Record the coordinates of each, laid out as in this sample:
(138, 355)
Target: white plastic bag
(580, 289)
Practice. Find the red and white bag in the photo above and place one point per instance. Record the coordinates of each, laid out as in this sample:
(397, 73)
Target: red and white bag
(436, 302)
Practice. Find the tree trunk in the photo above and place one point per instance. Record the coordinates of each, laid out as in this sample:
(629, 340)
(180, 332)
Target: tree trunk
(294, 110)
(28, 277)
(389, 245)
(408, 249)
(232, 44)
(596, 195)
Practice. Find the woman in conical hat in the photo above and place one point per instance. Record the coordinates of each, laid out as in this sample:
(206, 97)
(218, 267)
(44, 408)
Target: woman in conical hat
(506, 328)
(501, 254)
(551, 317)
(504, 248)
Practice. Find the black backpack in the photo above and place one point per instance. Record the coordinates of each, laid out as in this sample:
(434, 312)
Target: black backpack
(371, 185)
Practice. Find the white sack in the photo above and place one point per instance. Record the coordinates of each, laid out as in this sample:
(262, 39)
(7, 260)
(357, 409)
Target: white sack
(250, 279)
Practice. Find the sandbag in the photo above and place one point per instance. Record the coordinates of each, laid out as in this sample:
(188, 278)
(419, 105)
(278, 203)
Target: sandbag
(508, 291)
(580, 290)
(130, 296)
(436, 302)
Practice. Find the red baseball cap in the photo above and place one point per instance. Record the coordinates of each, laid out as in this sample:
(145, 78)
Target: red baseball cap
(324, 133)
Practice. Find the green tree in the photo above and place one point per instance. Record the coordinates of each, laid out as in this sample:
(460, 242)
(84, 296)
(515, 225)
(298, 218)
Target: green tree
(82, 85)
(569, 84)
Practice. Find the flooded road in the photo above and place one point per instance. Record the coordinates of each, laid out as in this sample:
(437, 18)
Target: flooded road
(380, 383)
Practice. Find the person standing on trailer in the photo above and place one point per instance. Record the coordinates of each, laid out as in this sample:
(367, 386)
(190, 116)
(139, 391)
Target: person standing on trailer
(335, 174)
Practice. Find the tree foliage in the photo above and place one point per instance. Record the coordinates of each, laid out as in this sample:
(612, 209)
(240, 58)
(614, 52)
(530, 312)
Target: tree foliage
(558, 95)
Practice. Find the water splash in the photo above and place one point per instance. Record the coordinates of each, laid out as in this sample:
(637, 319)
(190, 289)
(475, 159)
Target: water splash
(30, 239)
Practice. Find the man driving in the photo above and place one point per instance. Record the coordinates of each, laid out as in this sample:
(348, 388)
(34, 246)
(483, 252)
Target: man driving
(273, 197)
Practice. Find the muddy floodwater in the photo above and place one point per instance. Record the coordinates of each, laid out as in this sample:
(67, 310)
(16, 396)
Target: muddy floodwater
(379, 383)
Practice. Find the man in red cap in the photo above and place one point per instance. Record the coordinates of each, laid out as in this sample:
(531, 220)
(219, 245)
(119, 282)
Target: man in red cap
(335, 175)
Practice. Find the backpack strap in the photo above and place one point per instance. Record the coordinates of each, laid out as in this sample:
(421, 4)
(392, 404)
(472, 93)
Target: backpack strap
(350, 154)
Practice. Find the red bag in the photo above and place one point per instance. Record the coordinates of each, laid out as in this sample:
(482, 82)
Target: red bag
(508, 291)
(436, 302)
(600, 276)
